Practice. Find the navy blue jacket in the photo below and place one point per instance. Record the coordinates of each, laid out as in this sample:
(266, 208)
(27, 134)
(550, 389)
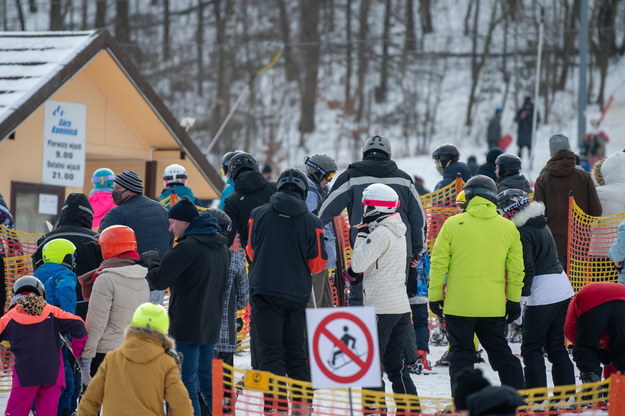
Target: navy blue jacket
(286, 246)
(147, 218)
(451, 172)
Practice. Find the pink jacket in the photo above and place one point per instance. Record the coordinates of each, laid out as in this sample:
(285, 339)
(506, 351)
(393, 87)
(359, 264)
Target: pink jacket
(101, 202)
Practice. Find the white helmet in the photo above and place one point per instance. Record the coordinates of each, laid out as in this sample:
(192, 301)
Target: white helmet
(174, 174)
(381, 197)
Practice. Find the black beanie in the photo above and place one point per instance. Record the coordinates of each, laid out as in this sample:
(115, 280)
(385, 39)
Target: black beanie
(468, 382)
(494, 401)
(183, 210)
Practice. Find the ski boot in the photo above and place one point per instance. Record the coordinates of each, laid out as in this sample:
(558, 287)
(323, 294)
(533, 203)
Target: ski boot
(443, 361)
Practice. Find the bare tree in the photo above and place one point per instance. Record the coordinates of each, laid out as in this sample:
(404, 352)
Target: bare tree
(309, 12)
(381, 89)
(603, 45)
(20, 15)
(348, 53)
(199, 48)
(100, 13)
(425, 12)
(122, 22)
(362, 57)
(410, 41)
(56, 15)
(570, 23)
(291, 66)
(224, 11)
(166, 24)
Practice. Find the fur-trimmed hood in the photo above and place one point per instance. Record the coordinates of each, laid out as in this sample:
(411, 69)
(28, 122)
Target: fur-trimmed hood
(142, 345)
(533, 210)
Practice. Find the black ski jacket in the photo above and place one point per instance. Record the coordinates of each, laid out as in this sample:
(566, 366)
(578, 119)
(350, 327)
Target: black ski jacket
(286, 246)
(347, 193)
(75, 225)
(516, 181)
(196, 271)
(251, 190)
(147, 218)
(451, 172)
(540, 255)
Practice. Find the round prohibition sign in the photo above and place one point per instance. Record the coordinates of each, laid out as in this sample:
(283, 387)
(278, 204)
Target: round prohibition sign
(323, 330)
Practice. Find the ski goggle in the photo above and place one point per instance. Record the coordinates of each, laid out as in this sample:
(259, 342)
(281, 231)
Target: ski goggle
(329, 176)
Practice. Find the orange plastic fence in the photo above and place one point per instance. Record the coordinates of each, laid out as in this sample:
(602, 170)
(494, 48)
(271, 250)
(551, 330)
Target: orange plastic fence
(589, 239)
(438, 206)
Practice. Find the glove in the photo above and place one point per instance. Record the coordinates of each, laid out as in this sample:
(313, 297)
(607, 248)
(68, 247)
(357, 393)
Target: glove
(85, 370)
(150, 259)
(513, 311)
(411, 283)
(437, 308)
(352, 277)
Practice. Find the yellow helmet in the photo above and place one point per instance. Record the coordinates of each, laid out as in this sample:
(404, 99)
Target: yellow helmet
(461, 201)
(60, 251)
(152, 316)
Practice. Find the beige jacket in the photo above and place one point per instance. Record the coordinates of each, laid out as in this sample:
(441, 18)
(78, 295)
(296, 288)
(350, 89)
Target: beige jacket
(117, 292)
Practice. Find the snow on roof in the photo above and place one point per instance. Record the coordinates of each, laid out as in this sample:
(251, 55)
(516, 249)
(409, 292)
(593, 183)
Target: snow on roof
(28, 60)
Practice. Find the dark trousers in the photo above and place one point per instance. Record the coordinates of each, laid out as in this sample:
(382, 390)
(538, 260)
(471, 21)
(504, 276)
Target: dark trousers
(420, 325)
(490, 331)
(608, 317)
(279, 336)
(543, 329)
(529, 150)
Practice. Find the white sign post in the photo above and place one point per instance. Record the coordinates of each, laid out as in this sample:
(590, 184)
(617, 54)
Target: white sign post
(64, 144)
(343, 344)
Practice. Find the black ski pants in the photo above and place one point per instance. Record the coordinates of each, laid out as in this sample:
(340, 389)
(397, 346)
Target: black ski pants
(543, 329)
(491, 333)
(279, 336)
(607, 318)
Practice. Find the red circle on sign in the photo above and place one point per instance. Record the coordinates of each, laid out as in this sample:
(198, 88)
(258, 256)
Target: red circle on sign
(321, 330)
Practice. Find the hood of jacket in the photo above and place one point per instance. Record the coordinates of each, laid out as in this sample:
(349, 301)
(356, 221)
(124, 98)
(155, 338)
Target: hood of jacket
(135, 271)
(143, 345)
(481, 208)
(561, 164)
(613, 169)
(374, 165)
(51, 268)
(533, 214)
(249, 181)
(393, 222)
(76, 211)
(288, 203)
(203, 225)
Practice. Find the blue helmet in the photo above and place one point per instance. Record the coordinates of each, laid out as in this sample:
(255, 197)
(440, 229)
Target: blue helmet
(103, 178)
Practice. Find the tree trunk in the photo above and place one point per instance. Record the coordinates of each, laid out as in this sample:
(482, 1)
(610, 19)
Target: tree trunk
(84, 22)
(410, 42)
(348, 54)
(199, 48)
(32, 6)
(381, 89)
(362, 57)
(425, 12)
(100, 14)
(569, 43)
(20, 15)
(56, 15)
(223, 14)
(309, 12)
(122, 22)
(166, 23)
(605, 46)
(291, 65)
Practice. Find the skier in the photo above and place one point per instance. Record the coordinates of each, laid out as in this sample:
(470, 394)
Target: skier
(251, 190)
(32, 327)
(446, 157)
(143, 372)
(320, 170)
(546, 292)
(101, 196)
(284, 229)
(59, 280)
(524, 119)
(224, 171)
(118, 288)
(488, 168)
(493, 132)
(346, 192)
(378, 254)
(175, 182)
(474, 251)
(508, 171)
(594, 323)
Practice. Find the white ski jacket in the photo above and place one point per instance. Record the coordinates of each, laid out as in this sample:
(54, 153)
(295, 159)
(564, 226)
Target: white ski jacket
(612, 194)
(381, 256)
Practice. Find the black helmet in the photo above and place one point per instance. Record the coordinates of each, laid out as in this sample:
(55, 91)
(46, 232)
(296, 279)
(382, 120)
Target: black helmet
(509, 164)
(320, 167)
(224, 221)
(446, 151)
(377, 144)
(481, 185)
(226, 160)
(511, 201)
(29, 284)
(293, 180)
(240, 162)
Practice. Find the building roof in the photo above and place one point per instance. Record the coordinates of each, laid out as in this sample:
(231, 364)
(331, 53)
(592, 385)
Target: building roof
(35, 65)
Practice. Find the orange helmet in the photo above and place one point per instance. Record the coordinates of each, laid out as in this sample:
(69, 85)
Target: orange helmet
(117, 239)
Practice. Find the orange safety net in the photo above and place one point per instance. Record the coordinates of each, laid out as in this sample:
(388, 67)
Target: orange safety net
(438, 206)
(589, 239)
(251, 392)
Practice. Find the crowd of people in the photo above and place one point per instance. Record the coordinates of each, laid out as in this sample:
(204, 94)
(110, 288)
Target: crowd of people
(101, 274)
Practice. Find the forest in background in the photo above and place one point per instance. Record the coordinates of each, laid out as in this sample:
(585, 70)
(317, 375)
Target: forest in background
(320, 75)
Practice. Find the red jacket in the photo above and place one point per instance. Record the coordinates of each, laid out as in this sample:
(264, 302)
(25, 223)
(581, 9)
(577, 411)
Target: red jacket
(589, 297)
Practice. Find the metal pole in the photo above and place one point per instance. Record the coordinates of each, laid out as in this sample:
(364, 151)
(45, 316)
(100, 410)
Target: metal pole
(227, 119)
(536, 85)
(351, 404)
(583, 68)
